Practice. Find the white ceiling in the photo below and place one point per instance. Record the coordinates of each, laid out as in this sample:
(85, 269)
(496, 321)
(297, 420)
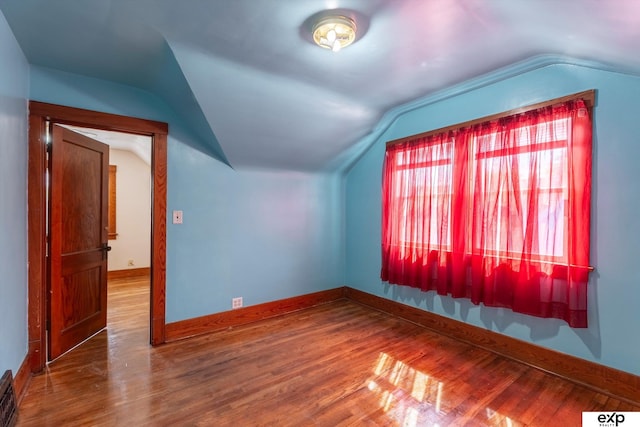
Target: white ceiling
(270, 98)
(139, 145)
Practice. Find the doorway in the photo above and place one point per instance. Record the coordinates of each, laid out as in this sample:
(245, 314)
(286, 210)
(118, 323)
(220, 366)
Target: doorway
(127, 241)
(129, 206)
(42, 116)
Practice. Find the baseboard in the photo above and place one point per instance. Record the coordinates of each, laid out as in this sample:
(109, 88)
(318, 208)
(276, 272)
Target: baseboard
(619, 384)
(219, 321)
(128, 273)
(21, 379)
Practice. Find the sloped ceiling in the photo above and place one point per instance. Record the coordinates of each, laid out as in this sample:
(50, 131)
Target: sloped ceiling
(260, 94)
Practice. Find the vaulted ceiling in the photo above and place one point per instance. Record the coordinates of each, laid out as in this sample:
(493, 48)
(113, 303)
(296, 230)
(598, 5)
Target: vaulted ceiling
(262, 95)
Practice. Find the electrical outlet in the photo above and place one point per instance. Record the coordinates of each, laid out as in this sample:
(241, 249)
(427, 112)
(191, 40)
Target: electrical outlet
(130, 263)
(236, 302)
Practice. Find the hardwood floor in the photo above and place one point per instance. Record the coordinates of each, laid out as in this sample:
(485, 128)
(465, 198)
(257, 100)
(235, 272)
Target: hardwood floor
(338, 364)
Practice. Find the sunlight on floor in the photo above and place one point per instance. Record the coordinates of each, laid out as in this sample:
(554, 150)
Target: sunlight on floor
(407, 395)
(498, 420)
(413, 398)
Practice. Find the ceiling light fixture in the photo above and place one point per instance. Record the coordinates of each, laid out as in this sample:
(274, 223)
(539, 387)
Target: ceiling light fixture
(334, 32)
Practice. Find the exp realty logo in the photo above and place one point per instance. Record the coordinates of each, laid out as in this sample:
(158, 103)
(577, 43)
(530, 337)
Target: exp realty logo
(610, 419)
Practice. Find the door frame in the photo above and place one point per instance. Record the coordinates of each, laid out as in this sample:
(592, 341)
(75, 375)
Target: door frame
(39, 114)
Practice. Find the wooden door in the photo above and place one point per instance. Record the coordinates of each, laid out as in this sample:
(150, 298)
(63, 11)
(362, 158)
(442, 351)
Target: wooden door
(78, 216)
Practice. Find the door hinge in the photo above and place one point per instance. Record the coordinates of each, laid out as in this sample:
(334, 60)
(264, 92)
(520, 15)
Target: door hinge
(49, 145)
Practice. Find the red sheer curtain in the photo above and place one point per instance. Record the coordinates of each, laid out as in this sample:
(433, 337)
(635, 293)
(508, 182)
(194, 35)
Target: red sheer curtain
(497, 212)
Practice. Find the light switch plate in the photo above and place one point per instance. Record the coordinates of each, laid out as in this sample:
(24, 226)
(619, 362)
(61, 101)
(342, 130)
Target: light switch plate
(177, 217)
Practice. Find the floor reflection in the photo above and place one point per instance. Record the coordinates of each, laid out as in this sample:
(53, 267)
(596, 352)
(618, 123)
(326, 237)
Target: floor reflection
(496, 419)
(413, 398)
(408, 396)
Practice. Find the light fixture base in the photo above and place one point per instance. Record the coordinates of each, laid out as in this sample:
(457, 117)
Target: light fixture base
(334, 32)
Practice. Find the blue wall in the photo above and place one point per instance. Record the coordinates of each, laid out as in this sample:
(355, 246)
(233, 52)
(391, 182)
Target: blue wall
(260, 235)
(614, 291)
(14, 87)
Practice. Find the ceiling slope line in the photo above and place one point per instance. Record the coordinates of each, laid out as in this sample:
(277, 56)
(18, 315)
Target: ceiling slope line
(172, 84)
(270, 75)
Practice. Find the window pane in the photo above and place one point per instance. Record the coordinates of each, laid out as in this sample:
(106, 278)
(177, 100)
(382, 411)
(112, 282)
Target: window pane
(508, 178)
(424, 194)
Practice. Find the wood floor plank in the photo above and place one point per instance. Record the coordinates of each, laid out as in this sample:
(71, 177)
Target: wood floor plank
(337, 364)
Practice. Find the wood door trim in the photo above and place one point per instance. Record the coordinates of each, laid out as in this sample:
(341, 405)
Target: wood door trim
(36, 237)
(39, 114)
(106, 121)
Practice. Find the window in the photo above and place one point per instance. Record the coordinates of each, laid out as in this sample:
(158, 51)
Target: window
(428, 179)
(537, 168)
(496, 211)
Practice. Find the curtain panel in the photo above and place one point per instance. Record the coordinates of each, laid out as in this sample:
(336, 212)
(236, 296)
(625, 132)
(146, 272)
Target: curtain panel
(497, 212)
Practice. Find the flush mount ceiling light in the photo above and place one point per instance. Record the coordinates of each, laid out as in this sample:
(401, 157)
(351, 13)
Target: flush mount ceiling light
(334, 32)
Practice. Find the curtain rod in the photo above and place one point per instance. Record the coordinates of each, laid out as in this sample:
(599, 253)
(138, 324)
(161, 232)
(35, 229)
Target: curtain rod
(588, 96)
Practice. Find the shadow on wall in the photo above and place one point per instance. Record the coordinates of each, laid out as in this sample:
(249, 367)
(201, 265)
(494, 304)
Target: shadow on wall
(499, 319)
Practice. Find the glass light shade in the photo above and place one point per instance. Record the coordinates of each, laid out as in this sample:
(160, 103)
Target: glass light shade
(334, 32)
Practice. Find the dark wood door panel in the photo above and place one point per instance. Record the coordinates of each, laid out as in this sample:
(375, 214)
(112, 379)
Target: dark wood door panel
(78, 261)
(82, 207)
(80, 293)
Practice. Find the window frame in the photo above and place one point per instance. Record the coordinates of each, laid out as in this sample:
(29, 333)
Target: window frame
(588, 96)
(589, 99)
(112, 233)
